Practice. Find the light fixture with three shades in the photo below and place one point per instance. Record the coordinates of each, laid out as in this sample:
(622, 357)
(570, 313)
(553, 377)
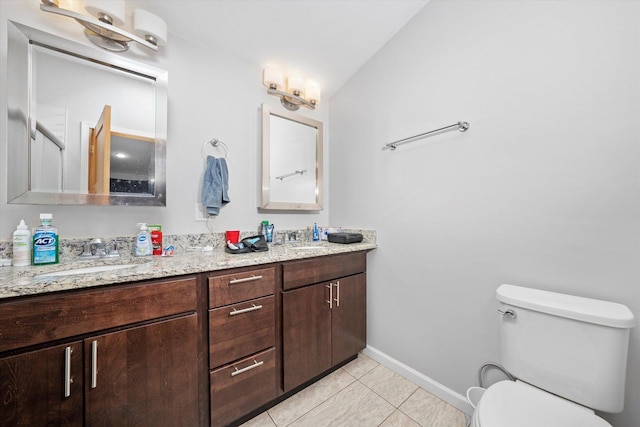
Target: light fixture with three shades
(297, 92)
(103, 28)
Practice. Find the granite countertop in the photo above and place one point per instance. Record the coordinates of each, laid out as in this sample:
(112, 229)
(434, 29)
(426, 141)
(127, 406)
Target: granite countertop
(32, 280)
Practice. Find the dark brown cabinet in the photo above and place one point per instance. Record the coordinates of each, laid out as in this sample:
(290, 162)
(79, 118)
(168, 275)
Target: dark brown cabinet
(348, 317)
(35, 390)
(242, 342)
(143, 376)
(324, 323)
(142, 370)
(242, 386)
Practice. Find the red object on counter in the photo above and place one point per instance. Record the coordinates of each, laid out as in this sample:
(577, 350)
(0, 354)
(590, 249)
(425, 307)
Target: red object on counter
(156, 241)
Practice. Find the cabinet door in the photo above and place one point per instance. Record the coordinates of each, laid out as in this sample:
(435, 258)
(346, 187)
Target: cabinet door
(146, 375)
(348, 317)
(32, 387)
(306, 334)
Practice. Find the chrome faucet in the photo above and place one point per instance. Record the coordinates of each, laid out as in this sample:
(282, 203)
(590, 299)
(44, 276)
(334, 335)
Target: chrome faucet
(96, 248)
(113, 249)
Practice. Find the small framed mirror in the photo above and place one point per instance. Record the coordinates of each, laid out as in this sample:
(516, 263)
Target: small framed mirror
(85, 127)
(291, 161)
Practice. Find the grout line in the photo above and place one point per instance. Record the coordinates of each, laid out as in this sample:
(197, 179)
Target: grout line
(390, 415)
(332, 395)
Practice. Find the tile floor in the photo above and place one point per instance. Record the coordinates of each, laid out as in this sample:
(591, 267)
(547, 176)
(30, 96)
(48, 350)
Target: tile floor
(360, 394)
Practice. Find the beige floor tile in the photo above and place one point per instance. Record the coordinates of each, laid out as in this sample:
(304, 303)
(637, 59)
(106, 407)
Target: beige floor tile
(398, 419)
(355, 406)
(394, 388)
(262, 420)
(360, 366)
(302, 402)
(429, 411)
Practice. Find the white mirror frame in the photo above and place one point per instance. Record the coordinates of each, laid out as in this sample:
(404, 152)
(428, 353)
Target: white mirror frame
(292, 205)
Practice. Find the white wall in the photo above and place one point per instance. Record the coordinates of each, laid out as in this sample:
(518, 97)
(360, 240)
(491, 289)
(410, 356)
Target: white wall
(543, 190)
(211, 94)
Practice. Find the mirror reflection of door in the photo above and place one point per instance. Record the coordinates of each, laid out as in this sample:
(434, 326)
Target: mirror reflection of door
(119, 162)
(100, 154)
(132, 163)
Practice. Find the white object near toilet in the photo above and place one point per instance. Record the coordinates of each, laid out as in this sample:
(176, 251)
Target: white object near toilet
(569, 355)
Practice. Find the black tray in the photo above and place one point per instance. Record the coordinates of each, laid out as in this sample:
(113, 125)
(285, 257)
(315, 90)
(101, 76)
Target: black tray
(344, 237)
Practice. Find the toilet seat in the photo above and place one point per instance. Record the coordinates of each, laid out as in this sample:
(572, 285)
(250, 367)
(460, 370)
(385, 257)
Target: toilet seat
(517, 404)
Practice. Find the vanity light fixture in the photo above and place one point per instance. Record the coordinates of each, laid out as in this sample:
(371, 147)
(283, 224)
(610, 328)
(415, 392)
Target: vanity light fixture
(297, 93)
(150, 30)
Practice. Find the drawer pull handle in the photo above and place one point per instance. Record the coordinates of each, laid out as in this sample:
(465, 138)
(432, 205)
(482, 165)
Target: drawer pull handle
(245, 310)
(246, 279)
(94, 364)
(248, 368)
(67, 371)
(330, 286)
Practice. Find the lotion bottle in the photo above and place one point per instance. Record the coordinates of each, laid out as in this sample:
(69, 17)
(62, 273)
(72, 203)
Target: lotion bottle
(22, 245)
(143, 241)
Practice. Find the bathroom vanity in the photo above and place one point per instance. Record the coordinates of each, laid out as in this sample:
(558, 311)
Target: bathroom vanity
(192, 340)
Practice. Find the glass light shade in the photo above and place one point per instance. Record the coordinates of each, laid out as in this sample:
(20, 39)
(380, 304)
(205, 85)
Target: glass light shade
(295, 83)
(114, 8)
(147, 24)
(272, 76)
(312, 93)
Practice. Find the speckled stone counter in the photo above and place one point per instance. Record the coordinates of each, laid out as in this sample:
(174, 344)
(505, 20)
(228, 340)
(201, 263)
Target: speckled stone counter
(33, 280)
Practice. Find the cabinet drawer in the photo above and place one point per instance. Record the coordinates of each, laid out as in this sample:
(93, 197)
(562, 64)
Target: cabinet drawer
(50, 317)
(241, 286)
(240, 388)
(241, 329)
(322, 269)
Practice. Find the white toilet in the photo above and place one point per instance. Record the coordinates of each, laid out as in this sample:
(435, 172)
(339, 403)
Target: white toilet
(569, 355)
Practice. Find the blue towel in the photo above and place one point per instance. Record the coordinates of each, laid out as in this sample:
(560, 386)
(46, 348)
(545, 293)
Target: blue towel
(215, 185)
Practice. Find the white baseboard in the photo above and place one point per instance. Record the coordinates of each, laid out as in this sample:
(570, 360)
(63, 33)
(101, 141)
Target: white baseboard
(453, 398)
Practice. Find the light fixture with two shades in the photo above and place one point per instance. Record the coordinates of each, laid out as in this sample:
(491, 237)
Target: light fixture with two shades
(108, 15)
(298, 92)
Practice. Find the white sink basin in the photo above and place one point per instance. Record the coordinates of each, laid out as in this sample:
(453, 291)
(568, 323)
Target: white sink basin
(87, 270)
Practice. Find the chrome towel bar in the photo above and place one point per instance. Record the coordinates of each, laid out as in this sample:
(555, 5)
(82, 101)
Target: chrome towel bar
(287, 175)
(462, 127)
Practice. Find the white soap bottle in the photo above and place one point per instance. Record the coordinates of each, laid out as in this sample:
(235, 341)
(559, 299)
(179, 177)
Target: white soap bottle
(22, 245)
(143, 241)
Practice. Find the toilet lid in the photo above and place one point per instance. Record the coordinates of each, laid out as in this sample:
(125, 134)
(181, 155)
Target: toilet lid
(517, 404)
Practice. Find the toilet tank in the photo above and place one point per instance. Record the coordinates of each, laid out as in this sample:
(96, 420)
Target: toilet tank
(570, 346)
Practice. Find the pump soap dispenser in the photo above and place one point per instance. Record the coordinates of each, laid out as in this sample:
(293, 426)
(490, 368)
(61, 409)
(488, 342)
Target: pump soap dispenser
(143, 241)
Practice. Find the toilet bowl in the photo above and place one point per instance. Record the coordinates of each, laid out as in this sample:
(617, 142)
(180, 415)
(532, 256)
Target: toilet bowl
(518, 404)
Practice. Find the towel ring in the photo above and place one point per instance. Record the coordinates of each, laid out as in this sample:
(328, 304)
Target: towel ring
(215, 142)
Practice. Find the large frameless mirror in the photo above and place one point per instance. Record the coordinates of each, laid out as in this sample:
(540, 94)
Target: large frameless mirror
(85, 127)
(291, 161)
